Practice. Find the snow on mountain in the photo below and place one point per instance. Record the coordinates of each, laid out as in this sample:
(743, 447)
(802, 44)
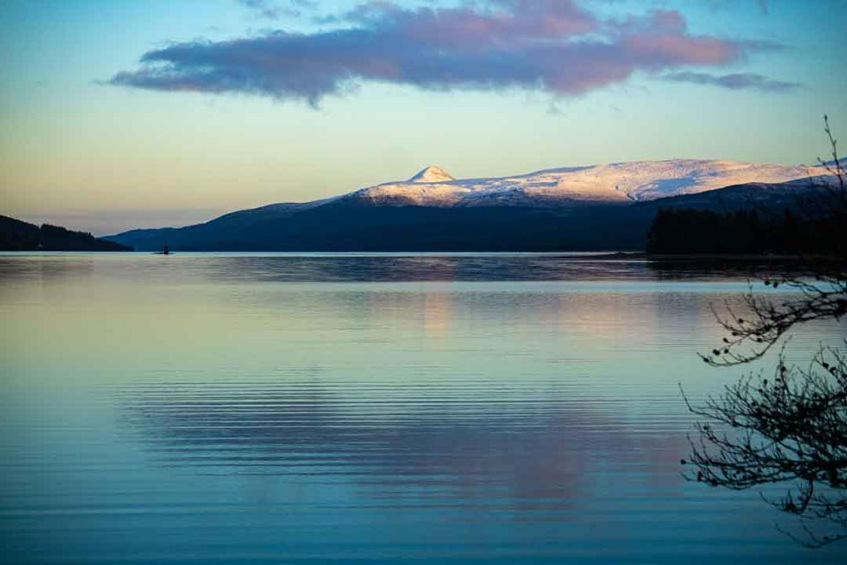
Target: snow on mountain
(433, 174)
(616, 182)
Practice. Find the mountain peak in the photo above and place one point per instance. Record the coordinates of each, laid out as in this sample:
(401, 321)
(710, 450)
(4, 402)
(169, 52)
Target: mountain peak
(432, 174)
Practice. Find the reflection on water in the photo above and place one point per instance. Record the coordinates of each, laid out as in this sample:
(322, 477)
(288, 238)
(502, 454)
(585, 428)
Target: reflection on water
(442, 438)
(387, 267)
(468, 409)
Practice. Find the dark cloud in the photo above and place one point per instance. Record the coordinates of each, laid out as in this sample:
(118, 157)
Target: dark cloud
(735, 81)
(552, 45)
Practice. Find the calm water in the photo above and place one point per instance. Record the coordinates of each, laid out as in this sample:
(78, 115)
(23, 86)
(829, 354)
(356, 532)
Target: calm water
(462, 409)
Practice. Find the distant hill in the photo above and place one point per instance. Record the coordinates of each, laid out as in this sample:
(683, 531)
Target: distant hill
(16, 235)
(353, 224)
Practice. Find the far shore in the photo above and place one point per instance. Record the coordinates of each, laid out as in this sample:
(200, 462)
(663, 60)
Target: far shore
(705, 257)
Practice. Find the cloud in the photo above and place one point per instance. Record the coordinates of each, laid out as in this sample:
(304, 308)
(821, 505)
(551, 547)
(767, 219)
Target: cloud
(735, 81)
(762, 5)
(555, 46)
(270, 10)
(261, 7)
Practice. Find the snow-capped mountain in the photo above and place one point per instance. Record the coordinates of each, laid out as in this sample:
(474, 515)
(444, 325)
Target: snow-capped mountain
(432, 211)
(616, 182)
(432, 174)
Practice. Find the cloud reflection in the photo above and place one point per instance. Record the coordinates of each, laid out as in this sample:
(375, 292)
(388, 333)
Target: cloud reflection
(548, 448)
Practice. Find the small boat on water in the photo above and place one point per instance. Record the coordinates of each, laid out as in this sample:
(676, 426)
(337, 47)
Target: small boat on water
(165, 251)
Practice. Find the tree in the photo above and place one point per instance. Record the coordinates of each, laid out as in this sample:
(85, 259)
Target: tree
(791, 428)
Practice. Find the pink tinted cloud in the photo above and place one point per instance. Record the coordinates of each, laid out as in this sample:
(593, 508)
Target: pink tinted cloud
(552, 45)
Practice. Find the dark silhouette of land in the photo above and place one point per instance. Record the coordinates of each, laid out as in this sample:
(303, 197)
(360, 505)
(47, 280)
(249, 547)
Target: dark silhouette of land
(745, 232)
(16, 235)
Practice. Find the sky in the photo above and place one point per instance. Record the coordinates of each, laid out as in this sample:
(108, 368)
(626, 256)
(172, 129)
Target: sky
(117, 114)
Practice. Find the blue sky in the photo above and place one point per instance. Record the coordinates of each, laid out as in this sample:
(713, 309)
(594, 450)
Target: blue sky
(118, 113)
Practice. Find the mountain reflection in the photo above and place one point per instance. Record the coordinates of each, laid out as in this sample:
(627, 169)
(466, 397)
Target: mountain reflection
(553, 451)
(470, 268)
(400, 268)
(257, 268)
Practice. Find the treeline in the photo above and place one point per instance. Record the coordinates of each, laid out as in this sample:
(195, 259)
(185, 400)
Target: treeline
(687, 231)
(16, 235)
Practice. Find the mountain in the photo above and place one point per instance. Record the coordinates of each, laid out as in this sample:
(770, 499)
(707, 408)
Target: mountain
(16, 235)
(617, 182)
(432, 174)
(580, 208)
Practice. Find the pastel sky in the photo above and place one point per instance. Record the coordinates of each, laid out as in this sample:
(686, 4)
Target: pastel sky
(117, 114)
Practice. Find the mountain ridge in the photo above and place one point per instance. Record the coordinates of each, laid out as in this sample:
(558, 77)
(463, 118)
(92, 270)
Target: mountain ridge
(612, 182)
(580, 208)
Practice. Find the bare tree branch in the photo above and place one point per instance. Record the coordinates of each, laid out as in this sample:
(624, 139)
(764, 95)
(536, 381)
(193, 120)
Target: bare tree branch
(790, 429)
